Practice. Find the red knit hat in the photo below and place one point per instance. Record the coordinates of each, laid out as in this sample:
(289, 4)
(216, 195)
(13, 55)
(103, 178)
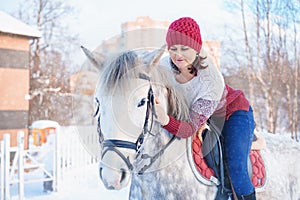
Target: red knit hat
(184, 31)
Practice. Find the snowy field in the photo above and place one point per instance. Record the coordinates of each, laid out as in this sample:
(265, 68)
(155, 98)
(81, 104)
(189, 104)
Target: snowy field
(86, 186)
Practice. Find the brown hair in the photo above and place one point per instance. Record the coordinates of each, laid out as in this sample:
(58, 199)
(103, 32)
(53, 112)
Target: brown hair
(195, 66)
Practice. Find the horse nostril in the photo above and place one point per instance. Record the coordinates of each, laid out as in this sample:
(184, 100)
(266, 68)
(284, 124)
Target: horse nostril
(123, 175)
(100, 172)
(110, 188)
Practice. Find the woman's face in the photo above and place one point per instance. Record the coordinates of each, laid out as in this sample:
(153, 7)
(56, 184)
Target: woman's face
(182, 56)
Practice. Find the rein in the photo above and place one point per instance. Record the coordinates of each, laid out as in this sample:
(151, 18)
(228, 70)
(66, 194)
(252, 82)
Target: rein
(113, 144)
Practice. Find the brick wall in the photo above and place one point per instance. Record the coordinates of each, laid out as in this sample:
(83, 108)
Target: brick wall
(14, 85)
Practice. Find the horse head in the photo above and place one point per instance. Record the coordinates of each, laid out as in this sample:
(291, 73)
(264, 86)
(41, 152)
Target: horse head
(128, 85)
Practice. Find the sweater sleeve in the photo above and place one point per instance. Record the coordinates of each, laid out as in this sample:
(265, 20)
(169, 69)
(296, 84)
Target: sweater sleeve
(200, 111)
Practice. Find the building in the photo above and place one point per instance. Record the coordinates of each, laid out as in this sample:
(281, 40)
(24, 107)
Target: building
(15, 37)
(148, 33)
(144, 32)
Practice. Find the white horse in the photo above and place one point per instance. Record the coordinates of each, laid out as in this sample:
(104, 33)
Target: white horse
(137, 150)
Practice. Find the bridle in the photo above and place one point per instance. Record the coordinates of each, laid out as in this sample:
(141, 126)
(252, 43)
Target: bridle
(113, 144)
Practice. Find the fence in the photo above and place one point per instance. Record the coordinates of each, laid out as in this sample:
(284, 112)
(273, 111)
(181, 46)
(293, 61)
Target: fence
(68, 153)
(77, 147)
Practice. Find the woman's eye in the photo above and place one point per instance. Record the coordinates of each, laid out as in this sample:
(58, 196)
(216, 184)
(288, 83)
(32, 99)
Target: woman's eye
(142, 102)
(184, 48)
(173, 49)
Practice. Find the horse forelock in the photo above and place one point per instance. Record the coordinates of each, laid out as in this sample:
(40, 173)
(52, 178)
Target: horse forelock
(115, 70)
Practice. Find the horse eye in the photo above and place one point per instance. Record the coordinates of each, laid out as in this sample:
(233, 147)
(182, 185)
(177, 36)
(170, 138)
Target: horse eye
(142, 102)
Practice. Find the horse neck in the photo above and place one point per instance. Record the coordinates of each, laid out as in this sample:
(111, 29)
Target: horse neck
(170, 177)
(172, 157)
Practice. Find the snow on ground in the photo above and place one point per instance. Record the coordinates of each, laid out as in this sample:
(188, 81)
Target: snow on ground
(86, 186)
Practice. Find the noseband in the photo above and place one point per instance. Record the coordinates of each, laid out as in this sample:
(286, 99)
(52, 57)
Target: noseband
(112, 144)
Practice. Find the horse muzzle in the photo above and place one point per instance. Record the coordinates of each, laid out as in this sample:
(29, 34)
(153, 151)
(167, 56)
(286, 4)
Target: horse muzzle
(114, 179)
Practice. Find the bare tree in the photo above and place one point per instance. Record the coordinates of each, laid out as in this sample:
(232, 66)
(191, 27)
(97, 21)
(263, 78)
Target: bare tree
(273, 63)
(296, 73)
(50, 64)
(249, 55)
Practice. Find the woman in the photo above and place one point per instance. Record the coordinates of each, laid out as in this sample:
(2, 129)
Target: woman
(208, 97)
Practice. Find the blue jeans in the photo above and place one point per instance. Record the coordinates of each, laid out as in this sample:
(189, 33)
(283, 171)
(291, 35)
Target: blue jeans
(237, 135)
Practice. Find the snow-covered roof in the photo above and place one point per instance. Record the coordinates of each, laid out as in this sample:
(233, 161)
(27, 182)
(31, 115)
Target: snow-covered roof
(8, 24)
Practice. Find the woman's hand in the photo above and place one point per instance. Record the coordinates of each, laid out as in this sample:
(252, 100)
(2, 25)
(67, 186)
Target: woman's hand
(162, 116)
(200, 131)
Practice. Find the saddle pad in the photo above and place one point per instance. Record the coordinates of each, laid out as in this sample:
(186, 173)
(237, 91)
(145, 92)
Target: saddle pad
(258, 167)
(198, 157)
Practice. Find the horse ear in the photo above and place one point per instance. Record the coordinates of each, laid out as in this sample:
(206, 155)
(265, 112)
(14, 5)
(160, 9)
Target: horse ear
(95, 58)
(153, 57)
(158, 55)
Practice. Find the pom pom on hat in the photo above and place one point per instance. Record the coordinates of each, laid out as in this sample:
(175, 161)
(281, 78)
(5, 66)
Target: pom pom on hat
(184, 31)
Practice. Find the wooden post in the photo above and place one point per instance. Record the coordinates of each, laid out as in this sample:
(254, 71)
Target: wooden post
(2, 170)
(6, 159)
(21, 164)
(57, 161)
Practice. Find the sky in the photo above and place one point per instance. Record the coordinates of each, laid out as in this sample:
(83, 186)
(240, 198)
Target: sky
(98, 20)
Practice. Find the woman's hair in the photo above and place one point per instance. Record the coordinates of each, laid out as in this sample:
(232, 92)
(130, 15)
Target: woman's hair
(195, 66)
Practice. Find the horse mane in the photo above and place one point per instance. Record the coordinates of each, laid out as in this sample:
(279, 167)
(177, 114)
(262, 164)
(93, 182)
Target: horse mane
(120, 68)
